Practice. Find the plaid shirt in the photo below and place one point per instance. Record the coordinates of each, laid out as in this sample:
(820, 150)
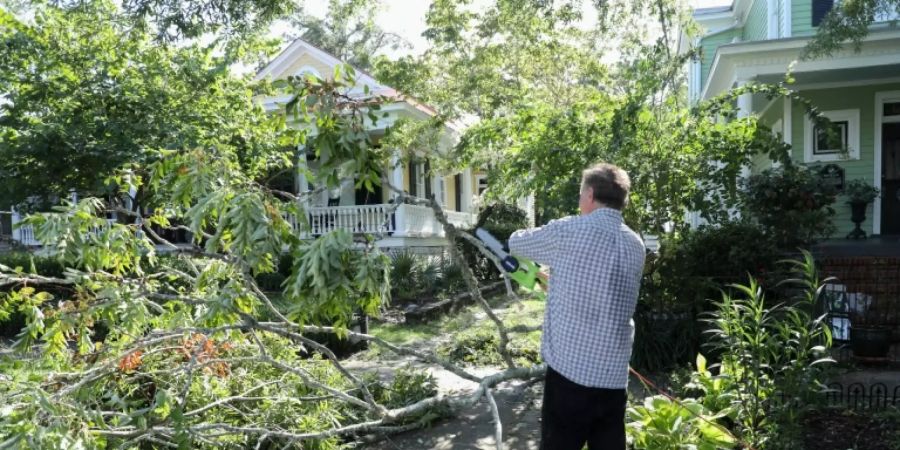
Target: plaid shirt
(596, 263)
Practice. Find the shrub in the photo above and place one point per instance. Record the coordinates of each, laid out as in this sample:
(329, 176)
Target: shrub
(690, 269)
(792, 204)
(452, 279)
(771, 354)
(770, 369)
(405, 276)
(31, 263)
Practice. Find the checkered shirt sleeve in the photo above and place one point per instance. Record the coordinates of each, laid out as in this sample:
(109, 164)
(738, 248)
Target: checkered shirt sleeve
(596, 263)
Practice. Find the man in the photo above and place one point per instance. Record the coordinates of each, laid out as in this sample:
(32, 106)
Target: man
(596, 263)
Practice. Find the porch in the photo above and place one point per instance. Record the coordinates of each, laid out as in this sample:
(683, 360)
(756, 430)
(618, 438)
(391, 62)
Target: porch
(867, 287)
(387, 222)
(382, 220)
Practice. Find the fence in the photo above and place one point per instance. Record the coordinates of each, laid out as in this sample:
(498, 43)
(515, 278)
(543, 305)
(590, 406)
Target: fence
(874, 396)
(866, 290)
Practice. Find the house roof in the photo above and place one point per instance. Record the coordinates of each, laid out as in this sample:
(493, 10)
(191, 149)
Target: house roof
(279, 66)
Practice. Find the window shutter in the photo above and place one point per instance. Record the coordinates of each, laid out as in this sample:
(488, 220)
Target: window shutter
(457, 192)
(819, 9)
(412, 178)
(427, 179)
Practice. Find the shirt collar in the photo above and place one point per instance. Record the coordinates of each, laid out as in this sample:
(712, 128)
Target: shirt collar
(607, 212)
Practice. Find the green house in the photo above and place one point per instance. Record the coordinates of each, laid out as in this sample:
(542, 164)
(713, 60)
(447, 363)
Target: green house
(857, 89)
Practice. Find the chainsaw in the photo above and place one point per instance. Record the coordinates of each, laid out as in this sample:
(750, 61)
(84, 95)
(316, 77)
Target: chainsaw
(523, 271)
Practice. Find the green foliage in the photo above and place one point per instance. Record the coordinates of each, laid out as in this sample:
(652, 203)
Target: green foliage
(792, 204)
(331, 280)
(773, 354)
(479, 346)
(714, 256)
(663, 424)
(174, 346)
(772, 365)
(690, 268)
(173, 20)
(33, 263)
(89, 94)
(848, 21)
(422, 277)
(348, 31)
(859, 190)
(408, 386)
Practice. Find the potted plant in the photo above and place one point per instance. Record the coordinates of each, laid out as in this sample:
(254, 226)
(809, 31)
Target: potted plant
(870, 337)
(859, 194)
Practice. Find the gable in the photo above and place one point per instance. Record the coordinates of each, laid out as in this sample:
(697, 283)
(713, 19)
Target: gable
(301, 57)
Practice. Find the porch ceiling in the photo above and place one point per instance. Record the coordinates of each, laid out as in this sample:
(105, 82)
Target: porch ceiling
(878, 57)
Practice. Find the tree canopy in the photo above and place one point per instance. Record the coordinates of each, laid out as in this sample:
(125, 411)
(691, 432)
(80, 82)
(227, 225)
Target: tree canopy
(87, 94)
(348, 30)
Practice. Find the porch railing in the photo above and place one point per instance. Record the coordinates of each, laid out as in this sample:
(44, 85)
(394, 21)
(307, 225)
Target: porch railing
(404, 221)
(355, 219)
(24, 234)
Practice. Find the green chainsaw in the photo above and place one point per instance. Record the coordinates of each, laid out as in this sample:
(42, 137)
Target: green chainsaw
(523, 271)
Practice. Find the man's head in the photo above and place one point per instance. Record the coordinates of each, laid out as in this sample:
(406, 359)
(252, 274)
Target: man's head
(603, 185)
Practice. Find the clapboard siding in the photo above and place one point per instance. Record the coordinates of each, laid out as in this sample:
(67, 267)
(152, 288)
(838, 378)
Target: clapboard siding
(863, 99)
(708, 46)
(756, 25)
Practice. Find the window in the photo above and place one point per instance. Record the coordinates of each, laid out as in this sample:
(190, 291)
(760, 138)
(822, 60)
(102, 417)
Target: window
(891, 109)
(421, 182)
(441, 194)
(832, 140)
(820, 9)
(840, 142)
(481, 184)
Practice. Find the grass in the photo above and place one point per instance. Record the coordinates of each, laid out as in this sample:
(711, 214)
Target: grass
(469, 337)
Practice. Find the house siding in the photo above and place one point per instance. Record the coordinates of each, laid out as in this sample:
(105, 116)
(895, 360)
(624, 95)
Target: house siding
(325, 71)
(801, 18)
(708, 46)
(756, 25)
(863, 99)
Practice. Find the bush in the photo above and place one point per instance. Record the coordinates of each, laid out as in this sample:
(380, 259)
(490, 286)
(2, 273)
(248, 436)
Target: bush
(270, 282)
(770, 368)
(792, 204)
(420, 277)
(771, 354)
(31, 263)
(690, 269)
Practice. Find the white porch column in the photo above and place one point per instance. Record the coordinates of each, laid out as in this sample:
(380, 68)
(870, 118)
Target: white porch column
(301, 184)
(14, 219)
(396, 174)
(744, 102)
(745, 108)
(772, 25)
(466, 194)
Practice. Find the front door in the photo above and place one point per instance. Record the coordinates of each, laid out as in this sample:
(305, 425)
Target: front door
(890, 179)
(366, 197)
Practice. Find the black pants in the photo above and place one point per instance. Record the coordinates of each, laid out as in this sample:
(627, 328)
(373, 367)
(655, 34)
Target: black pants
(573, 415)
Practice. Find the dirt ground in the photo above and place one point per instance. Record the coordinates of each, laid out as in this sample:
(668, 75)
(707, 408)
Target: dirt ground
(520, 406)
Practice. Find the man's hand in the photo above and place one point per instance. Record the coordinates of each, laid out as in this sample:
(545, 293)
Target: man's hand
(544, 276)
